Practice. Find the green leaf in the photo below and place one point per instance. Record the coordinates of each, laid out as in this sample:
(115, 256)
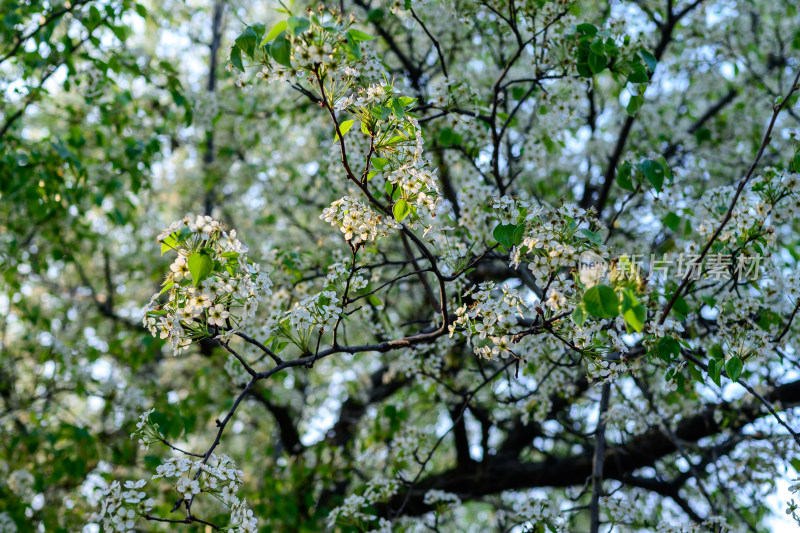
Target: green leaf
(681, 308)
(504, 234)
(276, 30)
(401, 210)
(259, 29)
(635, 104)
(649, 59)
(672, 221)
(398, 109)
(635, 317)
(380, 112)
(592, 236)
(714, 371)
(379, 162)
(200, 266)
(247, 41)
(169, 243)
(447, 137)
(344, 127)
(638, 75)
(668, 348)
(353, 46)
(633, 312)
(653, 172)
(167, 286)
(579, 316)
(624, 173)
(298, 25)
(280, 50)
(716, 351)
(236, 58)
(597, 62)
(360, 35)
(733, 367)
(601, 301)
(588, 29)
(597, 46)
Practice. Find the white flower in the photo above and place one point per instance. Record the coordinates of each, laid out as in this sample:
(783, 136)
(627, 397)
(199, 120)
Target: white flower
(217, 315)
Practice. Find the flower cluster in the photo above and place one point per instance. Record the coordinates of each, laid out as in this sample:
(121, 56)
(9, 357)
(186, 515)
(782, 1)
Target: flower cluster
(218, 477)
(352, 510)
(323, 43)
(146, 431)
(416, 182)
(213, 288)
(604, 370)
(491, 318)
(320, 311)
(122, 506)
(242, 518)
(535, 512)
(552, 239)
(365, 97)
(440, 498)
(357, 221)
(21, 482)
(7, 524)
(739, 332)
(397, 137)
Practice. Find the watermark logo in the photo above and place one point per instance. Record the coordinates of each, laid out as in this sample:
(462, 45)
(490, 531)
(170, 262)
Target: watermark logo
(591, 268)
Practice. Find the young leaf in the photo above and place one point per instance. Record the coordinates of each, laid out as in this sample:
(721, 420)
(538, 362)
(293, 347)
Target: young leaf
(624, 176)
(344, 127)
(579, 316)
(200, 266)
(639, 75)
(504, 234)
(398, 109)
(653, 172)
(236, 58)
(276, 30)
(280, 50)
(247, 40)
(633, 312)
(649, 59)
(668, 348)
(601, 301)
(259, 29)
(592, 236)
(733, 367)
(672, 221)
(353, 46)
(298, 25)
(597, 62)
(360, 35)
(635, 104)
(401, 210)
(167, 286)
(380, 112)
(379, 162)
(170, 242)
(714, 371)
